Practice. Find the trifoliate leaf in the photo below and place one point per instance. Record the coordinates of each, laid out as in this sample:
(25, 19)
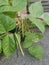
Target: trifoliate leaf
(36, 9)
(39, 23)
(46, 18)
(8, 44)
(17, 5)
(4, 2)
(31, 38)
(36, 51)
(6, 23)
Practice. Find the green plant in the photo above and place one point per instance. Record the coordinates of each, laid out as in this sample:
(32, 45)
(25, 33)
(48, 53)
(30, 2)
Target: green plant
(15, 30)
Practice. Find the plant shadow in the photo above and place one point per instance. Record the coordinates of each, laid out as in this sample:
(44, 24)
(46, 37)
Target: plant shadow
(1, 56)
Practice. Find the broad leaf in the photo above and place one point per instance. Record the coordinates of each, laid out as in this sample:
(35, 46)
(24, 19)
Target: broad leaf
(8, 44)
(36, 9)
(6, 24)
(46, 18)
(31, 38)
(0, 47)
(10, 14)
(4, 2)
(39, 23)
(36, 51)
(7, 9)
(17, 5)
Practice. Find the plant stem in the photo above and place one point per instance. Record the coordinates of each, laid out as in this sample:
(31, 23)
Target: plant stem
(16, 44)
(22, 28)
(27, 7)
(19, 44)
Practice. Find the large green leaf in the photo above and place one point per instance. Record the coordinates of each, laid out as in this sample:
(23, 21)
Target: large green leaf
(7, 9)
(46, 18)
(36, 51)
(10, 14)
(36, 9)
(8, 44)
(6, 24)
(31, 38)
(17, 5)
(0, 47)
(39, 23)
(4, 2)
